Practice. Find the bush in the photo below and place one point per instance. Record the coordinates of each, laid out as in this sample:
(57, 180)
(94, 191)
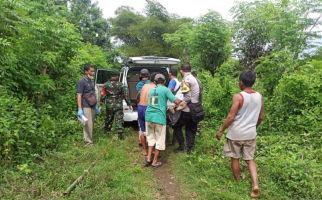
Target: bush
(220, 89)
(26, 131)
(272, 68)
(297, 104)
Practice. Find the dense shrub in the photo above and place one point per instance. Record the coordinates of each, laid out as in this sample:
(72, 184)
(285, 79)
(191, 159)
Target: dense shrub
(272, 68)
(220, 89)
(297, 104)
(22, 132)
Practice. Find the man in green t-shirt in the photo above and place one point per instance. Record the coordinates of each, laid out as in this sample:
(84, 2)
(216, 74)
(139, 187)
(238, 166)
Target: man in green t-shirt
(155, 117)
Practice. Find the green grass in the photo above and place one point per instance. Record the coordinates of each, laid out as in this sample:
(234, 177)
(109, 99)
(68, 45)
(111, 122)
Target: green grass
(117, 173)
(289, 167)
(284, 173)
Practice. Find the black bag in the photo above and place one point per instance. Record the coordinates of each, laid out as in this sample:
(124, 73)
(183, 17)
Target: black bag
(90, 98)
(197, 112)
(173, 118)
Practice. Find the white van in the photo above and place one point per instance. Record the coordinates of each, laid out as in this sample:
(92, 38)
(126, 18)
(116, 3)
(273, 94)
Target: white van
(130, 76)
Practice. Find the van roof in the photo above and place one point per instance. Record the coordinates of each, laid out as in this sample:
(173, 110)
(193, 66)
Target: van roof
(153, 60)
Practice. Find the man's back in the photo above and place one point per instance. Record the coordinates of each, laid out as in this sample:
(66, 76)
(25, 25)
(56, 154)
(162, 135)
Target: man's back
(157, 104)
(244, 124)
(144, 94)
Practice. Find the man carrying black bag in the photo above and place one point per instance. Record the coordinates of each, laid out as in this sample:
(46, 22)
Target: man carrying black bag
(191, 114)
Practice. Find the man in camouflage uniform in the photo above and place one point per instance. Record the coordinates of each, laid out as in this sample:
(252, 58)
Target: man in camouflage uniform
(115, 93)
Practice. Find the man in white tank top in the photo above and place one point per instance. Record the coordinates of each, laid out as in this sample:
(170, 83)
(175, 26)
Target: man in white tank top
(246, 113)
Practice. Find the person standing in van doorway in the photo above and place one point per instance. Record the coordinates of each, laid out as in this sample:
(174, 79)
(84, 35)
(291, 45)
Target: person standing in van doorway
(142, 106)
(172, 115)
(115, 93)
(144, 79)
(190, 90)
(246, 114)
(174, 84)
(87, 102)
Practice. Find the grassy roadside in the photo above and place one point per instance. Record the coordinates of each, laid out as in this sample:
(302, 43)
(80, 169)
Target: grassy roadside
(117, 173)
(288, 168)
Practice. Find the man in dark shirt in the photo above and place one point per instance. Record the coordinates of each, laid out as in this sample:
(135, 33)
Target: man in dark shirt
(86, 102)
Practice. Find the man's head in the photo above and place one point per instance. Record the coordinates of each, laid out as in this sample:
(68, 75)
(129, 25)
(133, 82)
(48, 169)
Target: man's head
(153, 76)
(144, 74)
(173, 73)
(159, 79)
(89, 70)
(247, 79)
(185, 68)
(114, 76)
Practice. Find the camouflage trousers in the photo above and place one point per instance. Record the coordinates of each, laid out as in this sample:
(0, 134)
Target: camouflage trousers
(117, 117)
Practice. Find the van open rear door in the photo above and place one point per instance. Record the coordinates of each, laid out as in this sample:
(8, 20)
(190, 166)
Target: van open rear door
(101, 77)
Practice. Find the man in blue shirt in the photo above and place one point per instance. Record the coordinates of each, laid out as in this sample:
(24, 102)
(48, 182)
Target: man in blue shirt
(174, 84)
(144, 79)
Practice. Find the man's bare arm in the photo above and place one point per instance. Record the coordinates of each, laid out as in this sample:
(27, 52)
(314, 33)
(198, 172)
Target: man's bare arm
(231, 116)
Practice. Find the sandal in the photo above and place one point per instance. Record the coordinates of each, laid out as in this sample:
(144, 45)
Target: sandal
(147, 163)
(156, 165)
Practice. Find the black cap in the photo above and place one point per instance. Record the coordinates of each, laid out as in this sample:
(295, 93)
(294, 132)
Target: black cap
(144, 73)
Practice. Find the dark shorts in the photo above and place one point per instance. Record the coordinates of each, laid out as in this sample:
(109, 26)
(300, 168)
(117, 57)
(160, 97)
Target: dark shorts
(141, 118)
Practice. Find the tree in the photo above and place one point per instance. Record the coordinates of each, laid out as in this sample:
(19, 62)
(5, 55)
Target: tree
(89, 20)
(261, 27)
(143, 35)
(155, 9)
(126, 19)
(205, 43)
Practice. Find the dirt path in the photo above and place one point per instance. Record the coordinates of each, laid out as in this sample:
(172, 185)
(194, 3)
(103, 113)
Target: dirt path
(169, 187)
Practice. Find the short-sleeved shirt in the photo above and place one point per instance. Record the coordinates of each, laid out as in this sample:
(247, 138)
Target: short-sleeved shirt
(172, 84)
(145, 93)
(85, 86)
(157, 104)
(140, 84)
(193, 94)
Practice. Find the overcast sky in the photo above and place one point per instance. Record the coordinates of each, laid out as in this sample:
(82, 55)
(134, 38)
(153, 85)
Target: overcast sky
(184, 8)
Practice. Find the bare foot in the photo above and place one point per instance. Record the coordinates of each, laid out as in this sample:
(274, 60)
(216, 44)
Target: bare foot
(255, 192)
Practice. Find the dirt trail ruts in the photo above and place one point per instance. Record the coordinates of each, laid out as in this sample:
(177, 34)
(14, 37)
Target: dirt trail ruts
(169, 187)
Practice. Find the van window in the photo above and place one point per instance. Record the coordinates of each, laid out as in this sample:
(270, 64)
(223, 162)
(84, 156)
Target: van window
(102, 76)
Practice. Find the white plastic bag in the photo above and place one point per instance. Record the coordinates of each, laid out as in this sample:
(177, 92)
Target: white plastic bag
(83, 120)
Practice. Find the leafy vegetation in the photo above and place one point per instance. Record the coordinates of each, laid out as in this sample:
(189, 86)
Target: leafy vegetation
(116, 173)
(41, 58)
(43, 45)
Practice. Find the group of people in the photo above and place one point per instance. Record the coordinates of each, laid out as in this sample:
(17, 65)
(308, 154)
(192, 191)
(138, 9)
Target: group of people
(155, 101)
(176, 104)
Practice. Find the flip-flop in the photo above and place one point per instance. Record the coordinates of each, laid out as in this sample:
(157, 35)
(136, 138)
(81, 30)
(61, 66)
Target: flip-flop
(156, 165)
(147, 163)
